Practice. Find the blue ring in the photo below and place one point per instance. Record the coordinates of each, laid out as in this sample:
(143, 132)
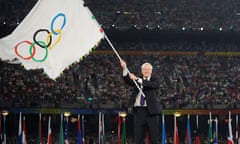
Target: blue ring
(53, 21)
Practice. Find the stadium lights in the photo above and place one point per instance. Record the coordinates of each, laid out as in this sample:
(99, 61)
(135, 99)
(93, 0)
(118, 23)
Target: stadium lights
(118, 12)
(67, 114)
(4, 112)
(135, 26)
(122, 114)
(177, 114)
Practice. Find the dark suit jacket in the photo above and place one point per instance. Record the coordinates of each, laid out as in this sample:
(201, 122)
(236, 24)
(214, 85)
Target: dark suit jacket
(150, 89)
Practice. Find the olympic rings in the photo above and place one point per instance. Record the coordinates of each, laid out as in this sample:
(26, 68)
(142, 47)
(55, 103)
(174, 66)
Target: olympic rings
(32, 51)
(46, 45)
(42, 30)
(53, 21)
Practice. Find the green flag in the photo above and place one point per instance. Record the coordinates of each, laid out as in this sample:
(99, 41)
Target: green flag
(210, 137)
(124, 137)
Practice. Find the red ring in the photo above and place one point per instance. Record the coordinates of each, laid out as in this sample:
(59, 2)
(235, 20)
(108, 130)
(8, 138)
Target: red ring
(25, 58)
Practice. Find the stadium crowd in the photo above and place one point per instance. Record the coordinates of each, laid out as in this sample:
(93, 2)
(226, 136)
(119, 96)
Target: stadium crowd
(194, 15)
(168, 15)
(201, 75)
(191, 79)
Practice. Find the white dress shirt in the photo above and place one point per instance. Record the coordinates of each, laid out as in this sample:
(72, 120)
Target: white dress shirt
(138, 97)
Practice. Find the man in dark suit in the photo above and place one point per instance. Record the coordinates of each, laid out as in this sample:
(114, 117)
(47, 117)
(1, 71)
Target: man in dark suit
(145, 101)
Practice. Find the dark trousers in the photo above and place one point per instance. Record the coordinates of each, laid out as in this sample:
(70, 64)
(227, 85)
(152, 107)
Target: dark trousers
(143, 122)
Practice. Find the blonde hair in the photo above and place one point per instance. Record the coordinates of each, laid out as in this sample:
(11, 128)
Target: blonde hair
(147, 65)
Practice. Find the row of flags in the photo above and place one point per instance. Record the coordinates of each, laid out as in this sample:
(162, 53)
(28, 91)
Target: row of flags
(212, 131)
(63, 135)
(122, 137)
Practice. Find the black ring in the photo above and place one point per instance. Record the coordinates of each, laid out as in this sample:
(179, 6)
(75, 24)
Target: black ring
(36, 41)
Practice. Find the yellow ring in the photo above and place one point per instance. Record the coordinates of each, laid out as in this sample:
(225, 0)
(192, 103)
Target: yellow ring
(59, 31)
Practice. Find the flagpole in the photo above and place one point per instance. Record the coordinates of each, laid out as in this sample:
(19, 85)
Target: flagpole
(117, 54)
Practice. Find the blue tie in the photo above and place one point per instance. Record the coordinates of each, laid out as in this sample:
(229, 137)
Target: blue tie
(142, 100)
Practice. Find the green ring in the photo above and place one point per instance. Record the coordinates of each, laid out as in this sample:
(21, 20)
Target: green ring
(44, 46)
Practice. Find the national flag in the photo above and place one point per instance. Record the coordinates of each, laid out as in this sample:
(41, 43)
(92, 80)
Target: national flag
(61, 136)
(230, 135)
(79, 131)
(20, 129)
(1, 133)
(4, 137)
(210, 137)
(40, 129)
(66, 132)
(197, 138)
(164, 136)
(101, 131)
(49, 138)
(99, 128)
(147, 140)
(24, 139)
(83, 130)
(188, 138)
(124, 136)
(237, 131)
(119, 130)
(215, 131)
(175, 135)
(52, 40)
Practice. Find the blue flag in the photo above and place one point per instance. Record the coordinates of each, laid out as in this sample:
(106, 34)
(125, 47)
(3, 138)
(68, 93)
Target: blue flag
(83, 130)
(215, 132)
(188, 138)
(164, 137)
(79, 131)
(66, 132)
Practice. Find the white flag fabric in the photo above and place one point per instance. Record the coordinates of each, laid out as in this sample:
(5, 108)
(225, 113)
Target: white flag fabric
(55, 34)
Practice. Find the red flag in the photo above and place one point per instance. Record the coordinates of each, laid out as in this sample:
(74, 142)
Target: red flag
(237, 131)
(49, 139)
(197, 138)
(24, 140)
(175, 135)
(230, 135)
(147, 138)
